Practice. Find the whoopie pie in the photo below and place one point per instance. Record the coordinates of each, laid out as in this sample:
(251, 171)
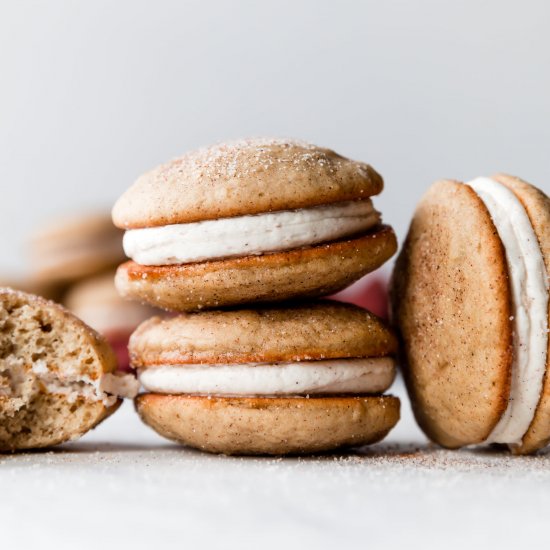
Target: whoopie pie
(271, 380)
(256, 220)
(470, 300)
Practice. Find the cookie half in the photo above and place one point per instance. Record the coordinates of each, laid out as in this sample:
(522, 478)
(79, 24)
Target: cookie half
(462, 318)
(307, 332)
(537, 206)
(264, 220)
(302, 379)
(96, 301)
(272, 426)
(73, 248)
(57, 377)
(244, 177)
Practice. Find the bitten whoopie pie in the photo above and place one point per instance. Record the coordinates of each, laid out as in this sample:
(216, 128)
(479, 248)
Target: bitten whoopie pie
(298, 379)
(57, 375)
(254, 220)
(470, 298)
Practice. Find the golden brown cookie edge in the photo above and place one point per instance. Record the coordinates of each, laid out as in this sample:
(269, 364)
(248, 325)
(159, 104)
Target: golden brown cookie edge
(457, 413)
(269, 426)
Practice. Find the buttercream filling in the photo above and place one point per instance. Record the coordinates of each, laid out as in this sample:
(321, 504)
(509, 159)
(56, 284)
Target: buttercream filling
(334, 376)
(22, 384)
(529, 288)
(248, 235)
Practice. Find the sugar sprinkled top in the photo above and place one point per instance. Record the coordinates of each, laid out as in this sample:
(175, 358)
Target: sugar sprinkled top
(240, 158)
(247, 176)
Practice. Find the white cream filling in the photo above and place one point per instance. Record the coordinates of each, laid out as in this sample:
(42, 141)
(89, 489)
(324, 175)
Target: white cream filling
(529, 286)
(107, 388)
(22, 384)
(373, 375)
(119, 385)
(246, 235)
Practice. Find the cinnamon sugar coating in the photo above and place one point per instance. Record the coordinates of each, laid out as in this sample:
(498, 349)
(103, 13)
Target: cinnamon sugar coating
(272, 426)
(240, 178)
(309, 331)
(452, 305)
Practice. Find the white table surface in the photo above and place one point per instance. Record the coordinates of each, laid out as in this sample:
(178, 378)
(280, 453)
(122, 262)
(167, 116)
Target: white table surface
(123, 486)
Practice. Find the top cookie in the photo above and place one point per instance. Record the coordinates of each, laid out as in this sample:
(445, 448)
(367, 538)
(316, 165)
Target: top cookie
(451, 302)
(303, 332)
(240, 178)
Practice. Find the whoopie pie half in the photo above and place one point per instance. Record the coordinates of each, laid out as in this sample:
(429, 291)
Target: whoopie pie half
(57, 375)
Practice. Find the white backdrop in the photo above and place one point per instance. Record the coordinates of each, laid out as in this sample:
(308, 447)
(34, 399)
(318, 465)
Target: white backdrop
(94, 93)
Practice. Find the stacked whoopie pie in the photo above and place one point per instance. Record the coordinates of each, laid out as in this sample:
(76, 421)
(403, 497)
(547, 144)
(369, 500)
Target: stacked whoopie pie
(218, 235)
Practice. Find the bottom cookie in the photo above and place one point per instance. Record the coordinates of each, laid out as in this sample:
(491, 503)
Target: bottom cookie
(270, 426)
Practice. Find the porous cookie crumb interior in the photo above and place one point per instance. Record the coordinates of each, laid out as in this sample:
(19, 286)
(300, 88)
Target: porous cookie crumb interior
(50, 373)
(48, 420)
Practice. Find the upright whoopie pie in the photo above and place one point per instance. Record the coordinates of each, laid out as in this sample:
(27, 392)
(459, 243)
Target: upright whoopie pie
(470, 298)
(276, 380)
(254, 220)
(57, 375)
